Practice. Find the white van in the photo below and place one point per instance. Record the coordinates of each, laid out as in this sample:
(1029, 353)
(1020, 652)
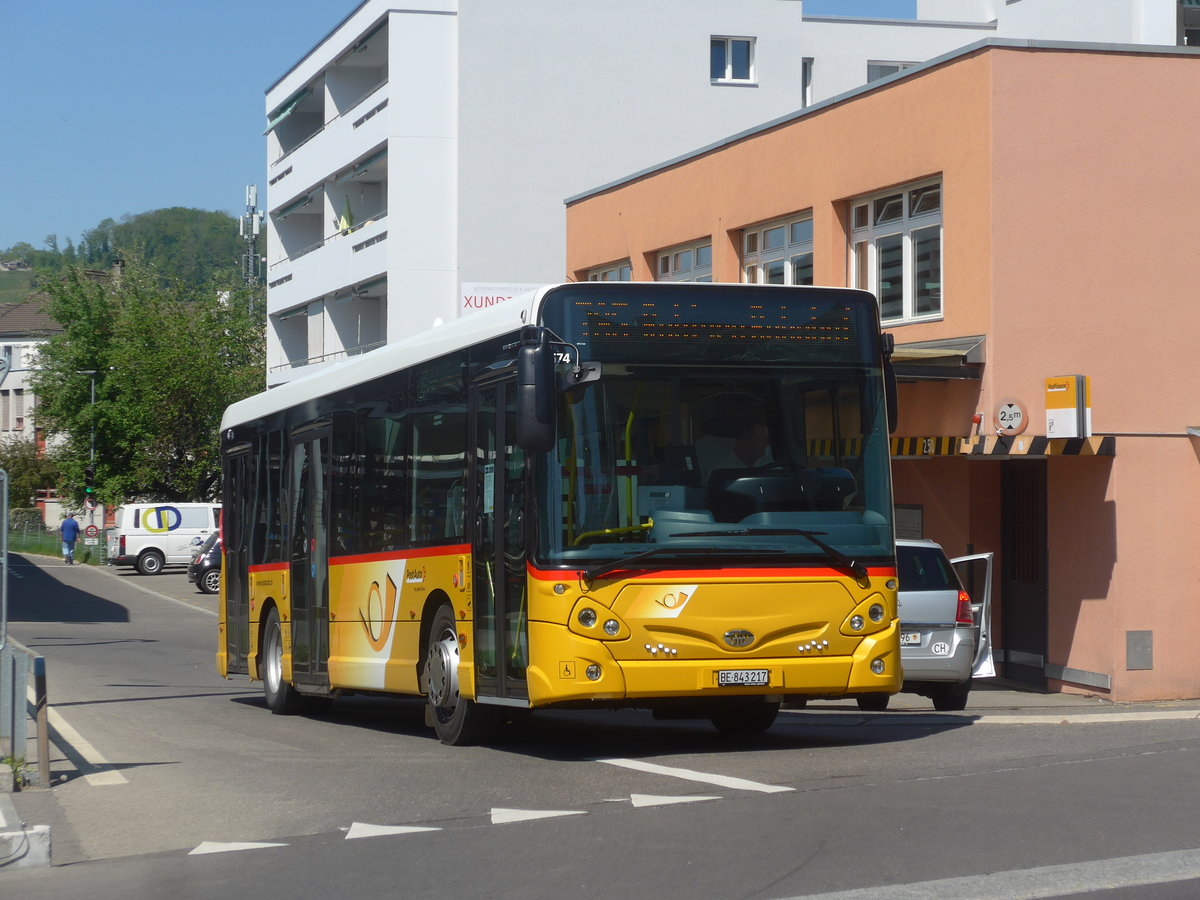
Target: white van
(149, 536)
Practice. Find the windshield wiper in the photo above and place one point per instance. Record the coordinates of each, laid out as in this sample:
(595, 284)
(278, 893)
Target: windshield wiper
(718, 555)
(859, 570)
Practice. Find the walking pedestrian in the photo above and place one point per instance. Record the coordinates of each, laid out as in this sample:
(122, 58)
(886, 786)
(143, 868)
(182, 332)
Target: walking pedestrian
(70, 534)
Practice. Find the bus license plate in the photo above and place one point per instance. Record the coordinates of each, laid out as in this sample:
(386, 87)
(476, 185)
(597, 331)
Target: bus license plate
(910, 639)
(732, 677)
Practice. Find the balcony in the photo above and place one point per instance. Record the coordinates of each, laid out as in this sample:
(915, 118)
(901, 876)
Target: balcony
(330, 264)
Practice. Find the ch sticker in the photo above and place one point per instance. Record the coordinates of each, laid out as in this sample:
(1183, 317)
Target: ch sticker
(566, 669)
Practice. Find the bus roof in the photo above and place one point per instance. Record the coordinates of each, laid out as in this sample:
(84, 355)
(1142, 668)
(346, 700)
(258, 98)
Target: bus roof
(430, 344)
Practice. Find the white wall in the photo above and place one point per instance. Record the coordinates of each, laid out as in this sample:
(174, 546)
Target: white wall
(558, 98)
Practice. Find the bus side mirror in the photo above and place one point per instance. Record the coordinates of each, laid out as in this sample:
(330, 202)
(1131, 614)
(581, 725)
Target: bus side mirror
(889, 390)
(536, 400)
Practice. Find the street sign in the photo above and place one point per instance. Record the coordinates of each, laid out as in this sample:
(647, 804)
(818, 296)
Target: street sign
(90, 542)
(89, 503)
(1010, 417)
(91, 531)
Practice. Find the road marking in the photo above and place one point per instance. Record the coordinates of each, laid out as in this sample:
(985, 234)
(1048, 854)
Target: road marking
(504, 816)
(363, 830)
(642, 800)
(898, 717)
(95, 768)
(737, 784)
(1043, 881)
(214, 847)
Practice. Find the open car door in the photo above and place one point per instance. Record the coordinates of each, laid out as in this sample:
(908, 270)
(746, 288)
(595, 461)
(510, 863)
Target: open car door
(975, 572)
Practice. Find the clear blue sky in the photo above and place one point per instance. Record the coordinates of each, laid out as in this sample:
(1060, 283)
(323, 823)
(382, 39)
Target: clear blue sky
(120, 107)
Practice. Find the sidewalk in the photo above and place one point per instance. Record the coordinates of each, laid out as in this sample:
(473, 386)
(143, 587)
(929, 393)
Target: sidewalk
(995, 701)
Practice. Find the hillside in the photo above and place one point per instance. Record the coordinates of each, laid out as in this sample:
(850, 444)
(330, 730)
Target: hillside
(15, 286)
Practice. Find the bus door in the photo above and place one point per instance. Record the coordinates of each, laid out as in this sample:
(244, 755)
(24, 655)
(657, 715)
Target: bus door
(308, 532)
(235, 534)
(498, 551)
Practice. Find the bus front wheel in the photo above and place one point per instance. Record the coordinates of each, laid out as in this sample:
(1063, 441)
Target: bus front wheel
(743, 716)
(281, 697)
(456, 720)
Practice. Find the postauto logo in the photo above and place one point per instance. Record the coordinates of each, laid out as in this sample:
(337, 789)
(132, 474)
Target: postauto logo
(161, 519)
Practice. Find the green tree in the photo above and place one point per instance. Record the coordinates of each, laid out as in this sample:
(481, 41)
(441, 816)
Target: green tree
(167, 357)
(195, 245)
(29, 470)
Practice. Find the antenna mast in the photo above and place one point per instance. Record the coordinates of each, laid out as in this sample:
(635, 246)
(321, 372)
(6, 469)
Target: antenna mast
(251, 222)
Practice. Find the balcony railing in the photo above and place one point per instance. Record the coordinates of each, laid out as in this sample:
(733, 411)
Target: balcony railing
(328, 357)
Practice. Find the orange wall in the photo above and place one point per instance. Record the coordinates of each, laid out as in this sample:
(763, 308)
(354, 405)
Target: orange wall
(936, 122)
(1094, 216)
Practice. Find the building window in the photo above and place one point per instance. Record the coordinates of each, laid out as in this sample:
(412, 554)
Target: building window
(806, 75)
(689, 262)
(731, 60)
(619, 272)
(896, 251)
(779, 252)
(877, 69)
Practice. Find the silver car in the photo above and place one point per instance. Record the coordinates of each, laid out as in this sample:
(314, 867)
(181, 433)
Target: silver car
(944, 640)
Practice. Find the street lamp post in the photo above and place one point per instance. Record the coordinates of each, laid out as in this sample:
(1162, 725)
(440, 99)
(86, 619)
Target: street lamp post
(91, 411)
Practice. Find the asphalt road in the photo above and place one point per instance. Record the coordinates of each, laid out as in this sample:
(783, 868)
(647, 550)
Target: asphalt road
(170, 780)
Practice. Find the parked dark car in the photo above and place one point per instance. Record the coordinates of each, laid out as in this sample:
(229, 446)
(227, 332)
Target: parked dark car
(205, 568)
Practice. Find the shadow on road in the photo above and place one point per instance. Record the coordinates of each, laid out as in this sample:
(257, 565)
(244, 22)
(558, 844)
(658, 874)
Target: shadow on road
(576, 735)
(36, 595)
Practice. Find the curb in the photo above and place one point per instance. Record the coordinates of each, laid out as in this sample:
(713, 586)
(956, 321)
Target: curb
(21, 846)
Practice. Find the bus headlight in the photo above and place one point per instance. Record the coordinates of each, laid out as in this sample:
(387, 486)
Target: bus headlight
(878, 665)
(868, 617)
(590, 613)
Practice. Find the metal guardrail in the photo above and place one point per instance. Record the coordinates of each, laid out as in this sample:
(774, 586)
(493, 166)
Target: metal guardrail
(17, 664)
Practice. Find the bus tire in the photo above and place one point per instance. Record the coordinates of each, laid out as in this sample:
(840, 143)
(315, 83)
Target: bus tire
(457, 721)
(281, 697)
(150, 563)
(874, 702)
(749, 716)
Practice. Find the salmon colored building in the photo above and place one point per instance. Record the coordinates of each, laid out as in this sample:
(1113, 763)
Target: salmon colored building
(1024, 212)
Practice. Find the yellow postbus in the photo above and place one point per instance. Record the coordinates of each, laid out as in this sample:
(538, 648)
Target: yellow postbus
(666, 496)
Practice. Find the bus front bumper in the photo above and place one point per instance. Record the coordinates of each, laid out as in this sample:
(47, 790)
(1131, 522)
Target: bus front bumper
(586, 670)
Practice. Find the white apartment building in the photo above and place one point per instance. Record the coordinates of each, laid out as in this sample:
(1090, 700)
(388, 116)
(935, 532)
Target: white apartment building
(418, 158)
(24, 328)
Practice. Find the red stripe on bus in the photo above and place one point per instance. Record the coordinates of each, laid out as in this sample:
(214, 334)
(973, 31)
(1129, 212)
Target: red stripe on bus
(706, 574)
(416, 553)
(269, 567)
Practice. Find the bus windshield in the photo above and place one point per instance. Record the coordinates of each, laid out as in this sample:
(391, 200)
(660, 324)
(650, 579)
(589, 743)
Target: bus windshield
(719, 433)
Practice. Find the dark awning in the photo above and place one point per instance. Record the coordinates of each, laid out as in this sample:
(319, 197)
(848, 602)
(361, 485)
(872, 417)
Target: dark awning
(945, 359)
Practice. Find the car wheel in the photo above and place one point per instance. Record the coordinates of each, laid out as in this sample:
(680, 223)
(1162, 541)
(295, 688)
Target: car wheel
(951, 697)
(210, 581)
(150, 563)
(457, 720)
(874, 702)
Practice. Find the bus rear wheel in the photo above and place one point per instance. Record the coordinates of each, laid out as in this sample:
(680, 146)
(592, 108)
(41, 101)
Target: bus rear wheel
(281, 697)
(743, 717)
(457, 721)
